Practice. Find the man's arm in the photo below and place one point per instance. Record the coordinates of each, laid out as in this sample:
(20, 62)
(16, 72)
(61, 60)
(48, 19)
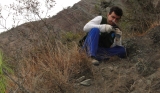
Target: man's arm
(95, 23)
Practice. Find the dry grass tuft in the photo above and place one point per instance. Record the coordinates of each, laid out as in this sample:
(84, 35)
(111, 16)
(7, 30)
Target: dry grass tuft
(50, 67)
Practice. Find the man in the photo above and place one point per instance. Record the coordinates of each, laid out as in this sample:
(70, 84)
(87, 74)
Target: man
(104, 37)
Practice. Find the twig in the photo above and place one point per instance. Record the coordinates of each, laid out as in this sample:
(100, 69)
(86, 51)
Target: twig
(20, 86)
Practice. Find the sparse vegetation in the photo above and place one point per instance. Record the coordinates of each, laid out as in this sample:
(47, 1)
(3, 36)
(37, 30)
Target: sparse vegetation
(47, 59)
(2, 76)
(138, 19)
(50, 65)
(4, 69)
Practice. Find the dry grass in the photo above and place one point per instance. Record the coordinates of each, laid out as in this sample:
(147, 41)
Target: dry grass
(49, 67)
(154, 24)
(52, 63)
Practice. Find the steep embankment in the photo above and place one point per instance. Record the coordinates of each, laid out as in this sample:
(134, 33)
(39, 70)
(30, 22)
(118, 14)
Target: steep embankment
(54, 70)
(139, 73)
(23, 37)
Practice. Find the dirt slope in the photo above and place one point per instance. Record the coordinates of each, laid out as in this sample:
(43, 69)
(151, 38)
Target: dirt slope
(139, 73)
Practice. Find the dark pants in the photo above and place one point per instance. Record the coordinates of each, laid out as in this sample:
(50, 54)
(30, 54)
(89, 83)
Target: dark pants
(101, 53)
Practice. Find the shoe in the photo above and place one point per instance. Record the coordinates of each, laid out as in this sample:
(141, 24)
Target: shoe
(95, 62)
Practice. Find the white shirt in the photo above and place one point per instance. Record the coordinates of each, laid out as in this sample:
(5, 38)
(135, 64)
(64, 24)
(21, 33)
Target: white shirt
(96, 23)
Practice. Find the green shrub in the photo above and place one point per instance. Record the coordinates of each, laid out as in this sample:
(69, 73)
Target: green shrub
(4, 69)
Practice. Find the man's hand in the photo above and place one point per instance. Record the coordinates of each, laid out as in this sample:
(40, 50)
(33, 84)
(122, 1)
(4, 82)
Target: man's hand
(109, 28)
(118, 33)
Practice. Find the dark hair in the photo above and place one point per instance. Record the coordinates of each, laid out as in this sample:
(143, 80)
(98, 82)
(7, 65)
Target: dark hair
(117, 10)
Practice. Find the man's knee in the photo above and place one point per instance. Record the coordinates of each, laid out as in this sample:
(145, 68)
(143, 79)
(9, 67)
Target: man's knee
(95, 30)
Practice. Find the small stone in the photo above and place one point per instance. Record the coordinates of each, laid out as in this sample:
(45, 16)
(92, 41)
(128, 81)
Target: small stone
(80, 79)
(86, 82)
(111, 68)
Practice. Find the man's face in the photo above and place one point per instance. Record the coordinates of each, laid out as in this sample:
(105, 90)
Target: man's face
(113, 18)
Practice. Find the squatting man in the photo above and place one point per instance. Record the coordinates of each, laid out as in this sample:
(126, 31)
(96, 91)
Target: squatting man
(103, 38)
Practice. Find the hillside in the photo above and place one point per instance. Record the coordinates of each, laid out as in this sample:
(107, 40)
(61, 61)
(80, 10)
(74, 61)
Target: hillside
(45, 57)
(139, 73)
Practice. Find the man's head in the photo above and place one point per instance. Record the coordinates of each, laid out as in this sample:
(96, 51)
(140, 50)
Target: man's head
(114, 15)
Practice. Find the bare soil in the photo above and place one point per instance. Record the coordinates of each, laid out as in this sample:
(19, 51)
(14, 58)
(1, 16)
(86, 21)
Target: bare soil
(138, 73)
